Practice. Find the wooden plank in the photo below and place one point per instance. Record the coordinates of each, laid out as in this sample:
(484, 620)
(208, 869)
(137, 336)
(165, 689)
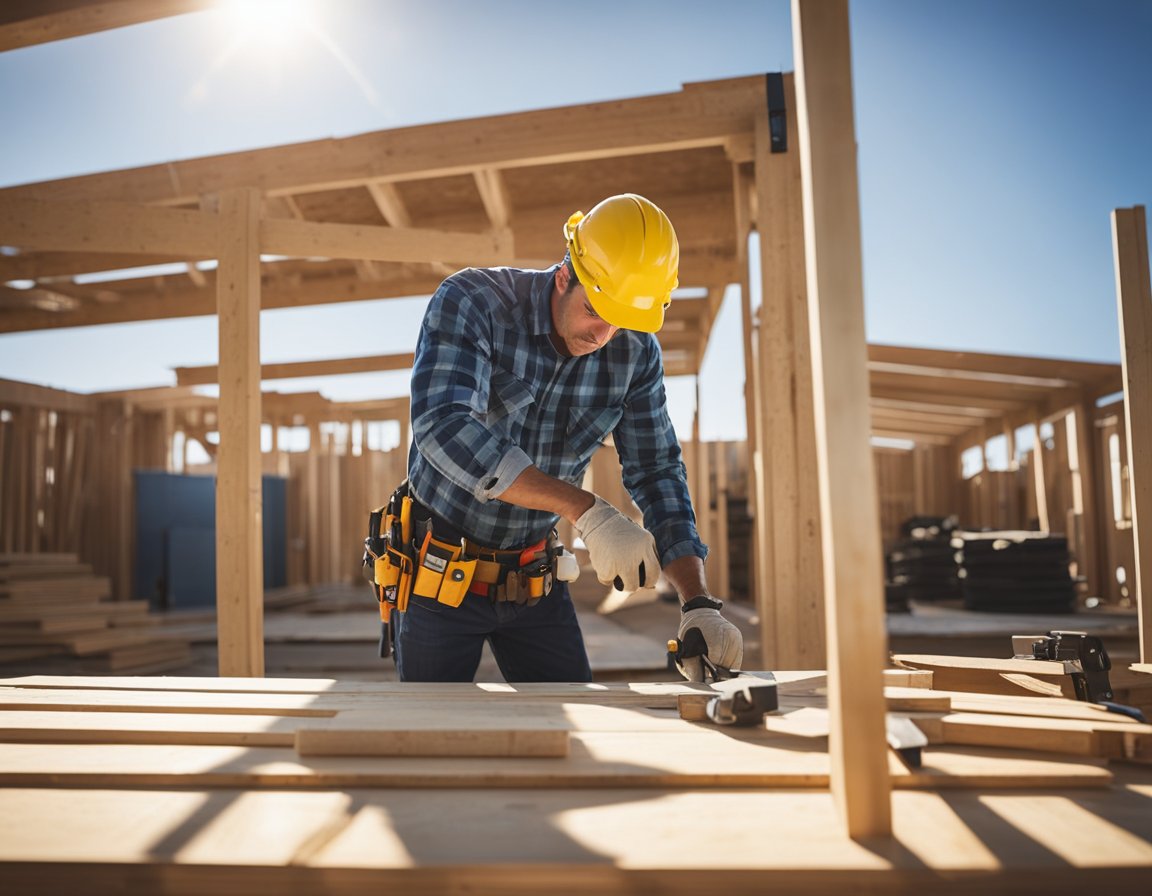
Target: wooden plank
(853, 579)
(146, 728)
(706, 757)
(1134, 306)
(239, 540)
(563, 691)
(1076, 737)
(531, 730)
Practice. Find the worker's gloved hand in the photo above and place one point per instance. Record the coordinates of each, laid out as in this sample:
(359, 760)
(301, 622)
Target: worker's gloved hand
(724, 642)
(622, 553)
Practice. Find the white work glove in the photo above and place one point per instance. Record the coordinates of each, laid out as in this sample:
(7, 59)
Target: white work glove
(621, 552)
(723, 640)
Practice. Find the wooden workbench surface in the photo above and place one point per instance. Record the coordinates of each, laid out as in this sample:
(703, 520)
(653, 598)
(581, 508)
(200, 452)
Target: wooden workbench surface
(107, 784)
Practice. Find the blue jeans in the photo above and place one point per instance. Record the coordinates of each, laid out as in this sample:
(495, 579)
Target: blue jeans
(435, 642)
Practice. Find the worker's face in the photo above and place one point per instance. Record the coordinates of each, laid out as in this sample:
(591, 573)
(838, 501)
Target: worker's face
(576, 327)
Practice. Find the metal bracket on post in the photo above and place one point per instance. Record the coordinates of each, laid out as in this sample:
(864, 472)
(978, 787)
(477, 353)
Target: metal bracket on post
(777, 113)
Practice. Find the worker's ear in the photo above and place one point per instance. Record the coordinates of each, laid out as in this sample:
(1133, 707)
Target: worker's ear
(562, 277)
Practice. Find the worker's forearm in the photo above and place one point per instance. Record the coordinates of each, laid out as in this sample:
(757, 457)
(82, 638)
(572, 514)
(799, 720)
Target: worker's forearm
(686, 574)
(539, 491)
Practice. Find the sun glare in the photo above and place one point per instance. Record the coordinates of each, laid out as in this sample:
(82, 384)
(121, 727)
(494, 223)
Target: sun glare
(270, 26)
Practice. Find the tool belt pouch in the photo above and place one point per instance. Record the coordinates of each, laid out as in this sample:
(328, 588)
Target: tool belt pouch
(457, 580)
(432, 563)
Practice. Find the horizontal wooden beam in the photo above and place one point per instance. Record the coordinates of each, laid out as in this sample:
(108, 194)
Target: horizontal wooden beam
(192, 376)
(86, 226)
(14, 393)
(697, 116)
(25, 23)
(930, 407)
(43, 265)
(306, 239)
(911, 436)
(1004, 365)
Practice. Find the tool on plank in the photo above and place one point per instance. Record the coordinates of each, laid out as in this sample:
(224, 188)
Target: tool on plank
(1084, 659)
(741, 699)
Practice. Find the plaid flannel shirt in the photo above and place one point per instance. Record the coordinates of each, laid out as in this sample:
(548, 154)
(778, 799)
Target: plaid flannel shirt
(492, 396)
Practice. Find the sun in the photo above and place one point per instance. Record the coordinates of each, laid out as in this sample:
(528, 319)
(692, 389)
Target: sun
(269, 26)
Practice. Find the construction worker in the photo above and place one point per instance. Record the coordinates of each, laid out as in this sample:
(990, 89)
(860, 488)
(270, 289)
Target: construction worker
(519, 376)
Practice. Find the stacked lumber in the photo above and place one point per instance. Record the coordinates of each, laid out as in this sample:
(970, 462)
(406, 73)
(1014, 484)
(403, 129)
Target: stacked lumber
(1014, 571)
(52, 605)
(921, 566)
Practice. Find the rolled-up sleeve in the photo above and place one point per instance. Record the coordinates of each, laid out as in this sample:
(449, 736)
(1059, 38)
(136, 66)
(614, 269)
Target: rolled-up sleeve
(653, 468)
(450, 382)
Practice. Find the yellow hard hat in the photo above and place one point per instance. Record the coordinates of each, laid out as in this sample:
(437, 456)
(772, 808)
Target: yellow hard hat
(627, 258)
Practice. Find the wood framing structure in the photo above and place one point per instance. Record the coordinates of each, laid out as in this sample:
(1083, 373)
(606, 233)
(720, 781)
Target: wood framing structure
(387, 214)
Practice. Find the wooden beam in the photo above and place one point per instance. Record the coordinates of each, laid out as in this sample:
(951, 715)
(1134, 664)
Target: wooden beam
(854, 582)
(790, 590)
(87, 226)
(389, 204)
(15, 393)
(46, 265)
(1134, 304)
(742, 191)
(198, 376)
(1006, 365)
(308, 239)
(697, 116)
(239, 537)
(193, 302)
(25, 23)
(494, 195)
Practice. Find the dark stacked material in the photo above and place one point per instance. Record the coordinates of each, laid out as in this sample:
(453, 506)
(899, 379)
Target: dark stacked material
(1015, 571)
(922, 565)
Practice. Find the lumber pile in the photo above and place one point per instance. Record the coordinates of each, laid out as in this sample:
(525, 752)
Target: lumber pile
(921, 566)
(1014, 571)
(53, 605)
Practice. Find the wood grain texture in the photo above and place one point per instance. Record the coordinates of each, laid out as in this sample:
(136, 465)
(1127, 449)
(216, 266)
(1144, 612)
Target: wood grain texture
(849, 510)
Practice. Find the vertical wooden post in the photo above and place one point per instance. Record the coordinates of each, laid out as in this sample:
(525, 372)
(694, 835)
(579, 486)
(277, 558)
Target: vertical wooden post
(759, 547)
(1043, 518)
(853, 579)
(722, 566)
(791, 594)
(701, 490)
(312, 502)
(1134, 300)
(239, 532)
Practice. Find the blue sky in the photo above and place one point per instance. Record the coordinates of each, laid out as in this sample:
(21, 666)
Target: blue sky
(995, 138)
